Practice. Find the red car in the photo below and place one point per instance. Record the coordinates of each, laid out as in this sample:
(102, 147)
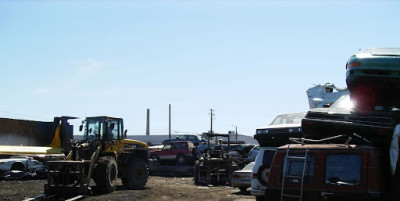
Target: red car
(180, 153)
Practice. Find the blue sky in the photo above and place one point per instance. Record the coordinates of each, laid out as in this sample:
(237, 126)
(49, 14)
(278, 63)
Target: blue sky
(247, 60)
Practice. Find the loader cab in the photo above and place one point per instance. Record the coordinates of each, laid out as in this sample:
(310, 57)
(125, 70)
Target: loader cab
(102, 128)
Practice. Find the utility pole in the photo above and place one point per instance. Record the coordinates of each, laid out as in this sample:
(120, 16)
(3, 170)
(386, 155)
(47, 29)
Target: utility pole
(236, 134)
(169, 121)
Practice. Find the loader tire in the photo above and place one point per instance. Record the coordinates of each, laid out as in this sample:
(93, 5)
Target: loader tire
(137, 175)
(106, 174)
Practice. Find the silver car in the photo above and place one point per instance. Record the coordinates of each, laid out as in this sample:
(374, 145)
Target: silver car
(242, 178)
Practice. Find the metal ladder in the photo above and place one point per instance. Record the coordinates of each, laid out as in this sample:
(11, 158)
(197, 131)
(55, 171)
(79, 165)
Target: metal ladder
(284, 176)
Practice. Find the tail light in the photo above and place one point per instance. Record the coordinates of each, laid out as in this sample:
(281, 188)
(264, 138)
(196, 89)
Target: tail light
(354, 64)
(309, 122)
(236, 176)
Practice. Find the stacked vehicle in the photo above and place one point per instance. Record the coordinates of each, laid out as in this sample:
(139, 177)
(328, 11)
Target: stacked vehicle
(364, 128)
(270, 137)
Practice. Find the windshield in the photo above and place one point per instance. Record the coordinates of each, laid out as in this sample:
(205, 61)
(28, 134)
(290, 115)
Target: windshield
(343, 169)
(94, 129)
(294, 118)
(343, 102)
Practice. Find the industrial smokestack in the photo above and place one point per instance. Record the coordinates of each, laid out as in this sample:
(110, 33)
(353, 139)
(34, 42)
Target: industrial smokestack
(148, 123)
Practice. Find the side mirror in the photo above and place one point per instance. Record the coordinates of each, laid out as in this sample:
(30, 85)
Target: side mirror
(125, 134)
(80, 127)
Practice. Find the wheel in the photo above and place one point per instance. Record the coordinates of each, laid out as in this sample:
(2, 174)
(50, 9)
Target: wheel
(262, 174)
(106, 174)
(17, 166)
(137, 174)
(259, 198)
(243, 188)
(180, 159)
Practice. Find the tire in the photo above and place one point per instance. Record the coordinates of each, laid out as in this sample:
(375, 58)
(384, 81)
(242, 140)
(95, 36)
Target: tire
(259, 198)
(106, 174)
(243, 189)
(262, 175)
(137, 175)
(180, 159)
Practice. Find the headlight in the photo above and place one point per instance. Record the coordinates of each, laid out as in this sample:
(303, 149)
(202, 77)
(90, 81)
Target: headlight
(291, 130)
(262, 131)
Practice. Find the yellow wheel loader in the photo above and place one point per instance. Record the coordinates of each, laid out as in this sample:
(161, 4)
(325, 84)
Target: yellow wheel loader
(104, 155)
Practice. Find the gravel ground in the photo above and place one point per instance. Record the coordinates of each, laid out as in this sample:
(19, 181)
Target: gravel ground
(157, 188)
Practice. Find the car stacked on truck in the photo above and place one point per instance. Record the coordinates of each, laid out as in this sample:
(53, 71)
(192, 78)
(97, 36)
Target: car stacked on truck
(344, 151)
(270, 137)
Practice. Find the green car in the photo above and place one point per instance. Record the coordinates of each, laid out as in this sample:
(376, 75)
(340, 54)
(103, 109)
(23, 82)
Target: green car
(373, 79)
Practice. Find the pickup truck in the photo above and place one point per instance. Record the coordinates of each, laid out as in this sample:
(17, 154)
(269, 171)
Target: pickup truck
(178, 152)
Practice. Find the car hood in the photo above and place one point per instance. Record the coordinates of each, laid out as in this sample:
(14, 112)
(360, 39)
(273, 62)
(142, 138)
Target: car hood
(281, 126)
(331, 111)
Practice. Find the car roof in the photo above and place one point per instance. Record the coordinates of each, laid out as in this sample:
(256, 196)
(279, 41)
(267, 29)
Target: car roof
(173, 142)
(325, 146)
(382, 52)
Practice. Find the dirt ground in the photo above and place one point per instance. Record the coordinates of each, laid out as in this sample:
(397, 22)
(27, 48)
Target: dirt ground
(157, 188)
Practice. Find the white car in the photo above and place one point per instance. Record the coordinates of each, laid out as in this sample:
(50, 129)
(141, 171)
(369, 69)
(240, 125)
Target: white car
(261, 171)
(17, 167)
(242, 178)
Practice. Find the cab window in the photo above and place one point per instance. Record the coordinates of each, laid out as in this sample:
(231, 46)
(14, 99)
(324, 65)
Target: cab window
(343, 169)
(115, 130)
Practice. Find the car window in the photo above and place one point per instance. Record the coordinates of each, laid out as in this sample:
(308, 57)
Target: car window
(343, 169)
(180, 146)
(343, 102)
(249, 166)
(268, 156)
(294, 118)
(168, 146)
(294, 167)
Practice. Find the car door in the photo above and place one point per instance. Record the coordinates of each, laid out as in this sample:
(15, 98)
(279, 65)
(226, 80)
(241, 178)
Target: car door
(294, 170)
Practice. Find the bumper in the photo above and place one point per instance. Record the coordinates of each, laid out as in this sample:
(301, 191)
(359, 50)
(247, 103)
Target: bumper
(257, 192)
(276, 139)
(320, 128)
(240, 183)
